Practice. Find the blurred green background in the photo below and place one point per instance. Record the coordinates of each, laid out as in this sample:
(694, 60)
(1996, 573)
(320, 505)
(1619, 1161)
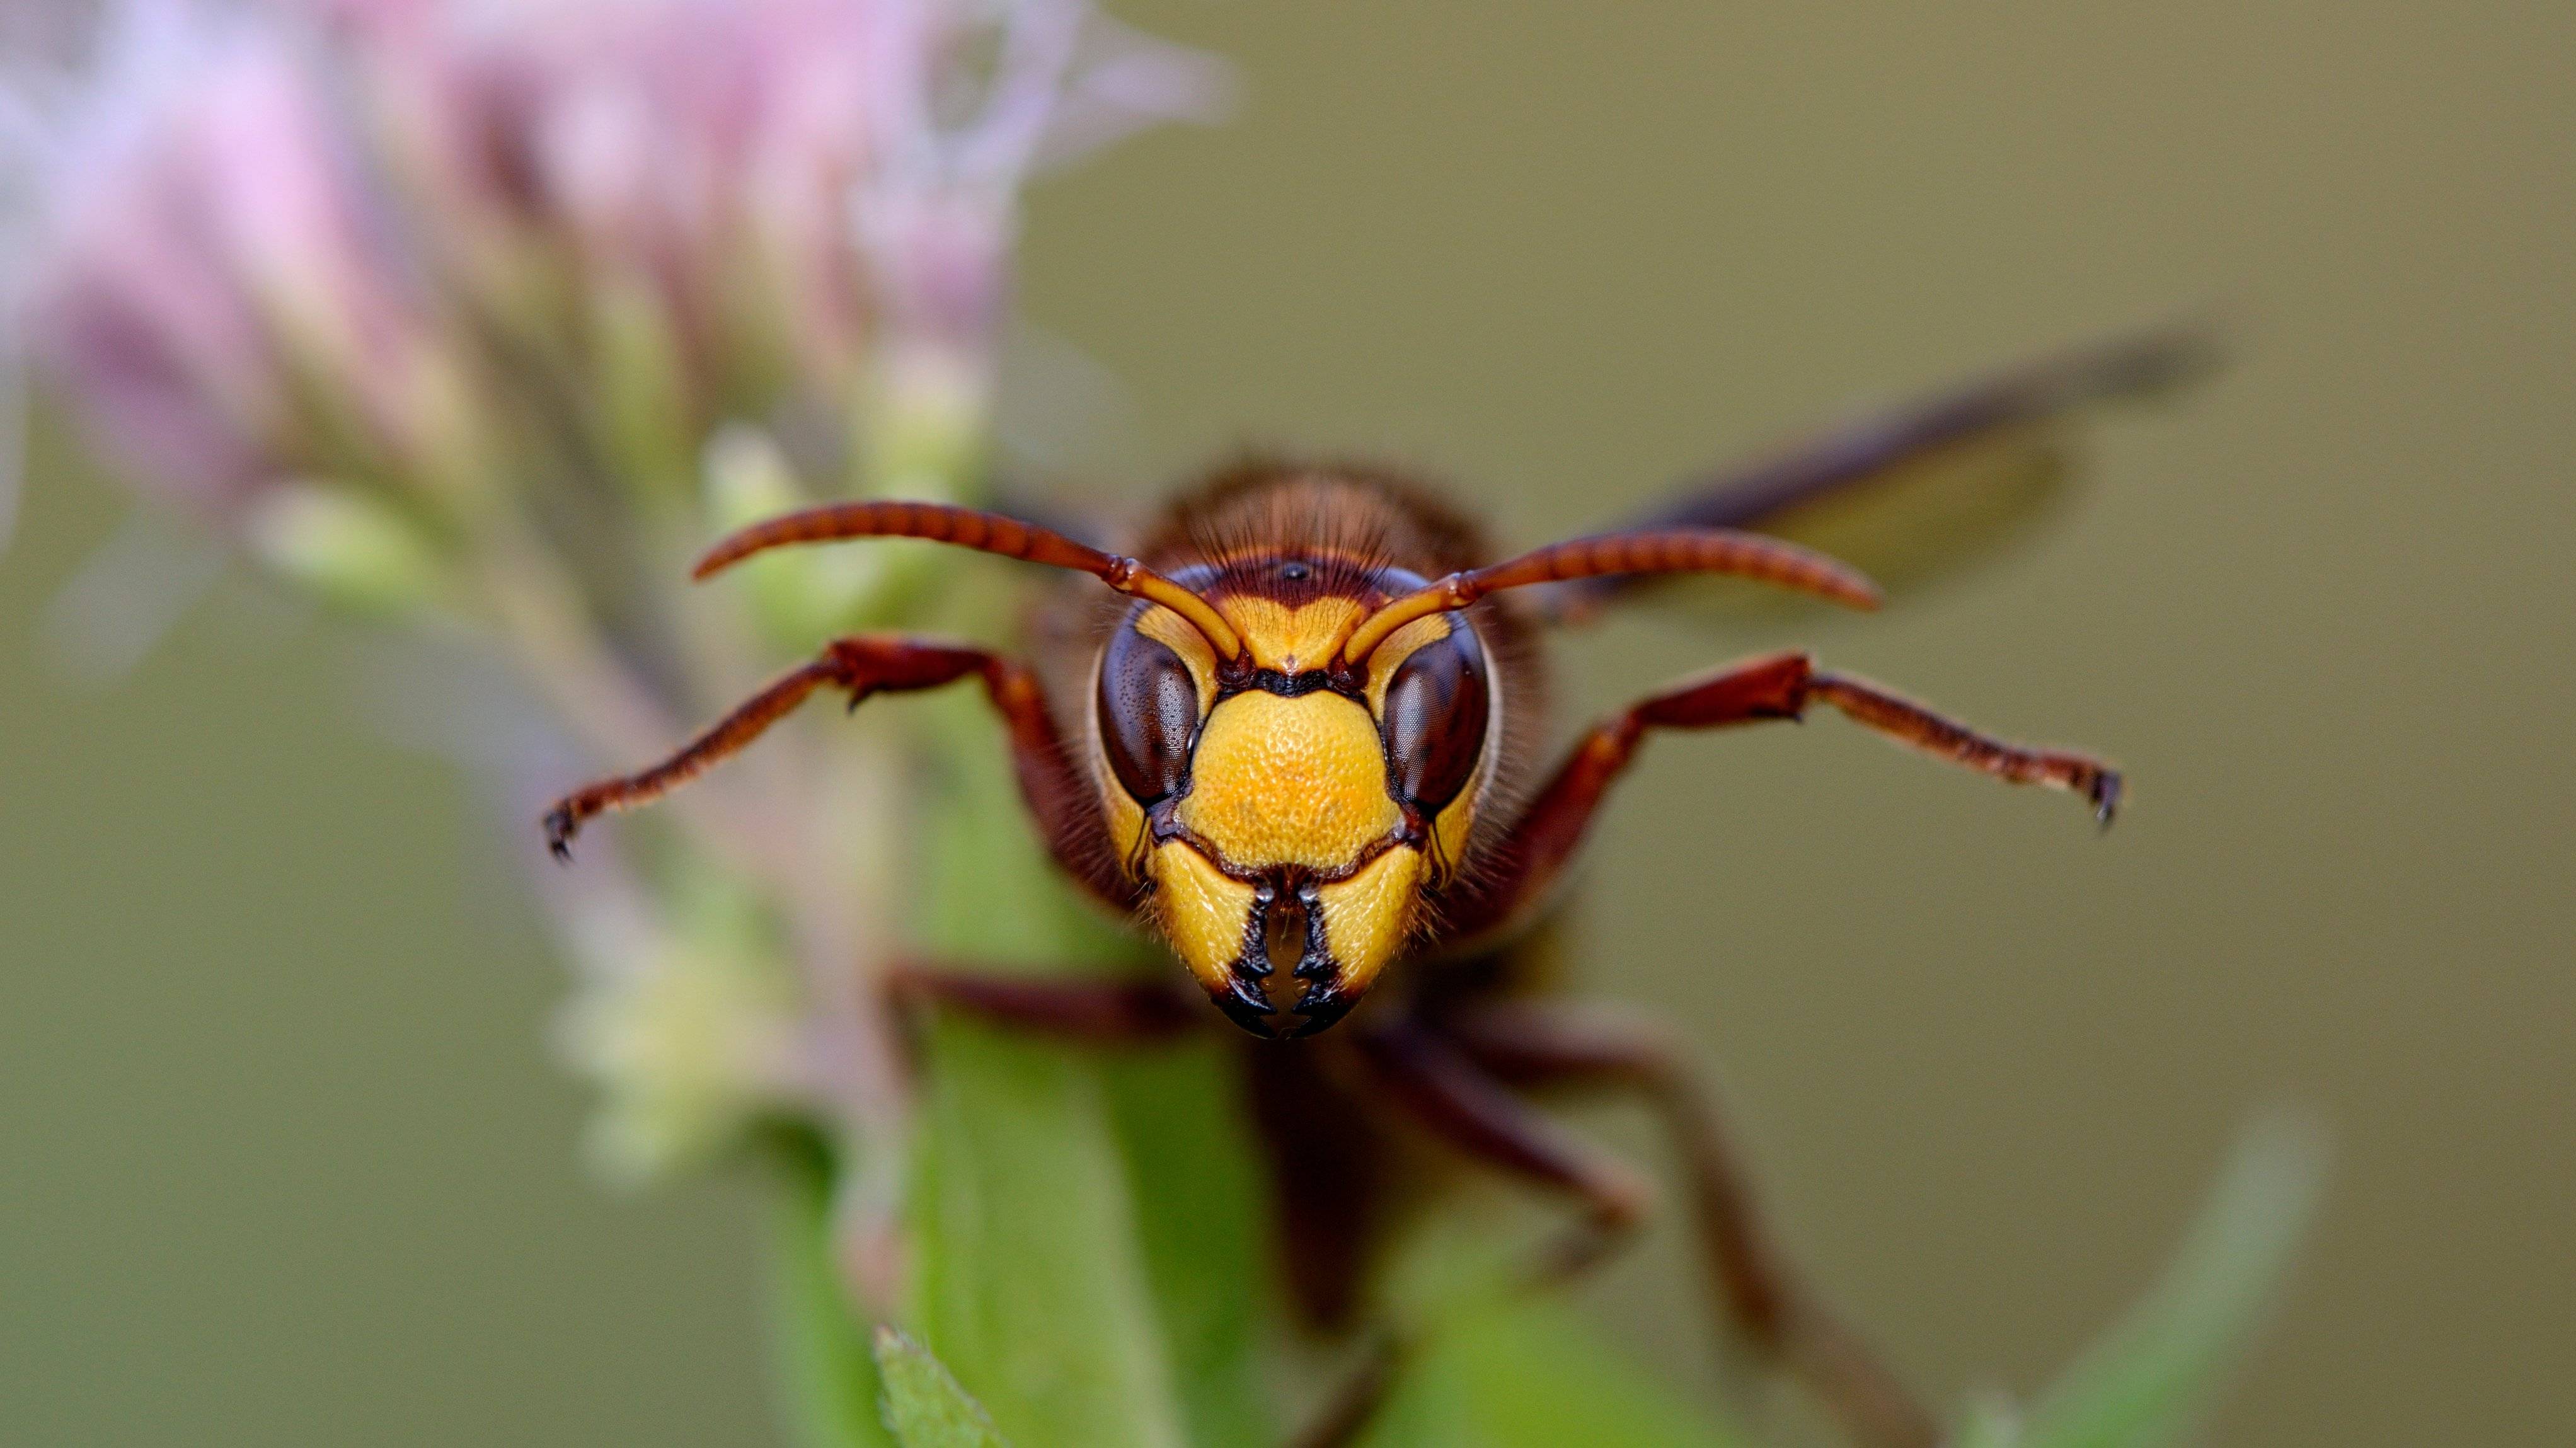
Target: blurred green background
(287, 1160)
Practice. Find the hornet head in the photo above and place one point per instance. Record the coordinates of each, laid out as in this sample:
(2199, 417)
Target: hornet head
(1289, 806)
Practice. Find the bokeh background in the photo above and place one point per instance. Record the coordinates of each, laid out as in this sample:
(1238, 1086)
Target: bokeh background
(287, 1160)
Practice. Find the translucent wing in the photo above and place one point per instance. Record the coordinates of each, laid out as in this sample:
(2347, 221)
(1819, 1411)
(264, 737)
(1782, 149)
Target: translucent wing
(1918, 492)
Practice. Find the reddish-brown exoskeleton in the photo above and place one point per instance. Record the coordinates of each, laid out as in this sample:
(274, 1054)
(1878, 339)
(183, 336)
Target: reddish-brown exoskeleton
(1301, 744)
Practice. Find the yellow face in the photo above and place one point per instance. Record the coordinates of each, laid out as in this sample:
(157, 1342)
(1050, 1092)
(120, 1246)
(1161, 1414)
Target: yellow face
(1284, 814)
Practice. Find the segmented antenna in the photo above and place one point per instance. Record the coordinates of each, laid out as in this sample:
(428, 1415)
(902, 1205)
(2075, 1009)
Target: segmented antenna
(985, 533)
(1645, 550)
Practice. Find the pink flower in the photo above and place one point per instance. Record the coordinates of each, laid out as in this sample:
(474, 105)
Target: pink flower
(209, 258)
(300, 236)
(710, 154)
(693, 150)
(477, 310)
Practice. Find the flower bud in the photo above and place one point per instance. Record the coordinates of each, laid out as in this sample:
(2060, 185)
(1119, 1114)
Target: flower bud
(797, 594)
(346, 547)
(683, 1022)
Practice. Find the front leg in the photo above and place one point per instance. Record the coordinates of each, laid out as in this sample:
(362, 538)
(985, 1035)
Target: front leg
(1068, 815)
(1533, 853)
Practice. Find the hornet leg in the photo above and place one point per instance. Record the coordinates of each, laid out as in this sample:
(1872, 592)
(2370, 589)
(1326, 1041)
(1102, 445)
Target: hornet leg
(1780, 686)
(1528, 1044)
(884, 663)
(1098, 1011)
(1451, 1098)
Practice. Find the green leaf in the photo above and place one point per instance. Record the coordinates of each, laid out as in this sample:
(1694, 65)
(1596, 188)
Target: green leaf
(1028, 1276)
(1203, 1222)
(923, 1404)
(1028, 1279)
(992, 899)
(826, 1376)
(2147, 1379)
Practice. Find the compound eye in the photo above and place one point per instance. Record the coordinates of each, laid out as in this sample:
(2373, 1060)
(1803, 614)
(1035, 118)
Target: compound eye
(1434, 722)
(1149, 707)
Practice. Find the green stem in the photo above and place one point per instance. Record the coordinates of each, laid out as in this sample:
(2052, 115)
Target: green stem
(826, 1377)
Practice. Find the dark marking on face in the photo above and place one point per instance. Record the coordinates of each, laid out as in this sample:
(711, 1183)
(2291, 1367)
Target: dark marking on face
(1287, 919)
(1296, 685)
(1301, 578)
(1243, 1000)
(1323, 1005)
(1314, 958)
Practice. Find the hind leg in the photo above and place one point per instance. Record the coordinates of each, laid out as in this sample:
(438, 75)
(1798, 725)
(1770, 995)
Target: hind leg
(1529, 1045)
